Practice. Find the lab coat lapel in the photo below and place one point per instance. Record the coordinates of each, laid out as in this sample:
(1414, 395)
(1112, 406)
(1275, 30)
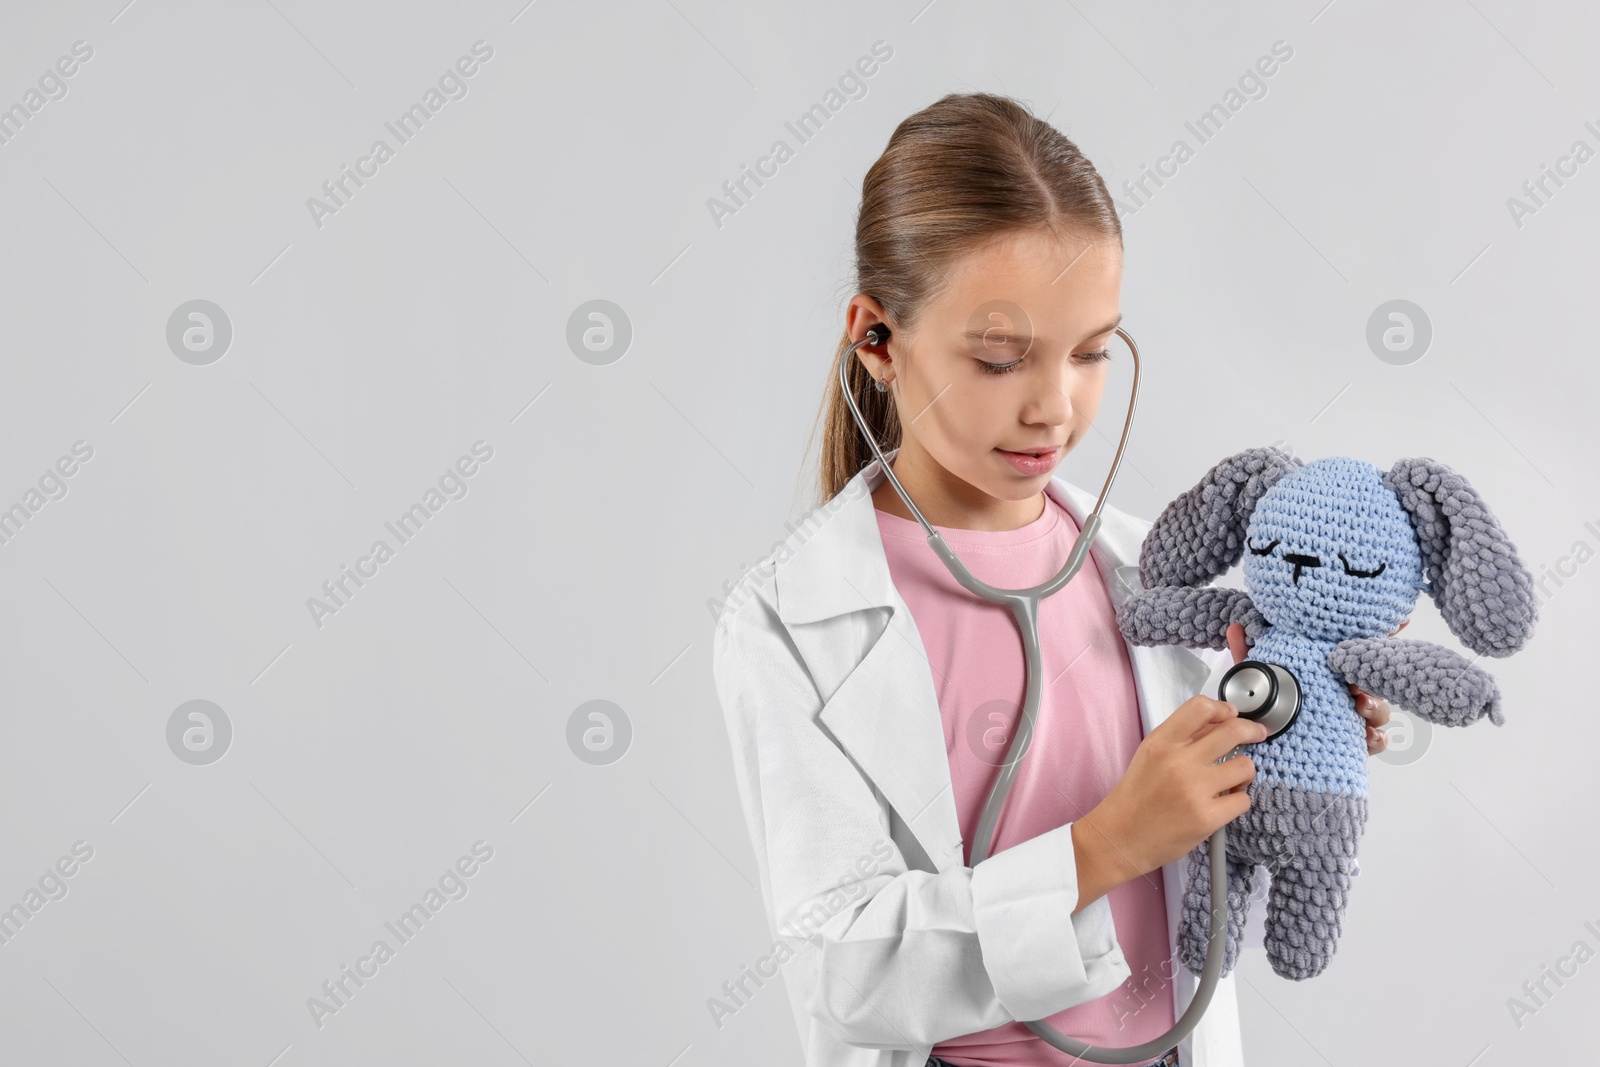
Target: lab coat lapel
(860, 643)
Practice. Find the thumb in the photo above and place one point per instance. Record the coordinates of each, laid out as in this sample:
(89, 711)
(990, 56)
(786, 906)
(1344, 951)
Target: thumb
(1236, 641)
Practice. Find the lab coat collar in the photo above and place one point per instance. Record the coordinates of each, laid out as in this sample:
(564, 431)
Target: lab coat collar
(809, 589)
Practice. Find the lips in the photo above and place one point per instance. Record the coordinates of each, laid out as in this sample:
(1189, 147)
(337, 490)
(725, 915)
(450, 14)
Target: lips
(1033, 461)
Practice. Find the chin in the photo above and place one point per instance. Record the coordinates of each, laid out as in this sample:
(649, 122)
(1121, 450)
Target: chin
(1013, 486)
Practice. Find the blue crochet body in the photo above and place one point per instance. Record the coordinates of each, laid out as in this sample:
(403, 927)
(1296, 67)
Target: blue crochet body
(1338, 513)
(1326, 749)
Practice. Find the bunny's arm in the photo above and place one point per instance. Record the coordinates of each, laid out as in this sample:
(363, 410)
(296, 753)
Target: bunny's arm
(1192, 616)
(1424, 678)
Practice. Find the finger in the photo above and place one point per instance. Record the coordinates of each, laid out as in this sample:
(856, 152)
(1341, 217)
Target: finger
(1230, 774)
(1373, 709)
(1194, 717)
(1229, 806)
(1236, 641)
(1226, 736)
(1205, 729)
(1227, 713)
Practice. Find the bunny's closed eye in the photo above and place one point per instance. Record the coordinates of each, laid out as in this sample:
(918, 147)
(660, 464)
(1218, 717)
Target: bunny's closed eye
(1361, 574)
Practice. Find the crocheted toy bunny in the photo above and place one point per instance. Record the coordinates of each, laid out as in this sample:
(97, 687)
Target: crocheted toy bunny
(1338, 553)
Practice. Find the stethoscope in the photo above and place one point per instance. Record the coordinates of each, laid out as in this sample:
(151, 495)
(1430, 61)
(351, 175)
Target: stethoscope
(1261, 691)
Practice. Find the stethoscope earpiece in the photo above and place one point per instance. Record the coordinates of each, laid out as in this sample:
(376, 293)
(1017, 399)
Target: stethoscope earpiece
(1263, 692)
(878, 334)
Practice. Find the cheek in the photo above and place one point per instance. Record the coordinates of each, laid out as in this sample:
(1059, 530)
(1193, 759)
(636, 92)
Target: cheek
(1087, 395)
(974, 418)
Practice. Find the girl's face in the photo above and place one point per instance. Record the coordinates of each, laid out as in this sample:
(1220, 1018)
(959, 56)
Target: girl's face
(1000, 377)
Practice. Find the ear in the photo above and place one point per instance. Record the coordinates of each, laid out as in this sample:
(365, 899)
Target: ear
(1201, 534)
(1482, 588)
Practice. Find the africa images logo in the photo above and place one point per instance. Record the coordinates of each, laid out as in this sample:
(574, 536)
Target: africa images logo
(851, 86)
(452, 85)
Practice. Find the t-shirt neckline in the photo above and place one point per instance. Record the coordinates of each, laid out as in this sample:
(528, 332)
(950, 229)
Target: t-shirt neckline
(902, 529)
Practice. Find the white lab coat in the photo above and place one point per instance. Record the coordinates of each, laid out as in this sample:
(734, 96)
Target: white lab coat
(887, 942)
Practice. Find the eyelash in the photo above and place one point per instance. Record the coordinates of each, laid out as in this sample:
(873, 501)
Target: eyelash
(1006, 368)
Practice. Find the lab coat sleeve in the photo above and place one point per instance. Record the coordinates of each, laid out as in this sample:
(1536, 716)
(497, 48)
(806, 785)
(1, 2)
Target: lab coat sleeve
(885, 956)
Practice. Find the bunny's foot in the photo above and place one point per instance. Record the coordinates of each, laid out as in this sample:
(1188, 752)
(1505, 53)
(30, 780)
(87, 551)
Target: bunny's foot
(1194, 927)
(1305, 915)
(1316, 835)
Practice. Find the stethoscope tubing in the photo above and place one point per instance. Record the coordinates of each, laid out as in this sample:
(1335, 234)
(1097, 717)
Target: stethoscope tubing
(1024, 605)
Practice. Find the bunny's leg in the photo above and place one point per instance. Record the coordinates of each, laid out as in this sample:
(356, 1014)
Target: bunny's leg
(1195, 923)
(1311, 882)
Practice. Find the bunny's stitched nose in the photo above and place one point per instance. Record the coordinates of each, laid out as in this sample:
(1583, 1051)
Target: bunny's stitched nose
(1299, 560)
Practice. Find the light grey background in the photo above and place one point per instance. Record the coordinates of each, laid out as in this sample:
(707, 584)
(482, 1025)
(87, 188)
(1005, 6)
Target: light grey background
(431, 312)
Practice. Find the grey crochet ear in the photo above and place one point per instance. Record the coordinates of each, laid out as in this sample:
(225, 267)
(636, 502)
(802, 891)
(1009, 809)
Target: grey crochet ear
(1200, 534)
(1482, 588)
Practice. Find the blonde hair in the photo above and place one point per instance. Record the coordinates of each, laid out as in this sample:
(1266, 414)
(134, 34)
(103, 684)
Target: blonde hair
(963, 171)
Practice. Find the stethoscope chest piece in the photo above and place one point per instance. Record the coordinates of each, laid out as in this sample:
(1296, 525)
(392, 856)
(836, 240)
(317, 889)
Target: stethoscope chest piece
(1264, 693)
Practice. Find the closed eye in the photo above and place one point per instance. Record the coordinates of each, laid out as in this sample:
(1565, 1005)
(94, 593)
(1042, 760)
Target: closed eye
(1361, 574)
(1086, 358)
(1262, 551)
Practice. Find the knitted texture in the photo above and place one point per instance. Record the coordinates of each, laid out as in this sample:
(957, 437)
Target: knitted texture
(1335, 554)
(1432, 682)
(1484, 592)
(1196, 618)
(1325, 751)
(1219, 505)
(1307, 841)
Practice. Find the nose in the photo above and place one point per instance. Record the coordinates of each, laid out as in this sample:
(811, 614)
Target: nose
(1300, 560)
(1049, 404)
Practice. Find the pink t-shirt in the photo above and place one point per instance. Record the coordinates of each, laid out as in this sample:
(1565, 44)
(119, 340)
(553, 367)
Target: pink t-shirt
(1086, 732)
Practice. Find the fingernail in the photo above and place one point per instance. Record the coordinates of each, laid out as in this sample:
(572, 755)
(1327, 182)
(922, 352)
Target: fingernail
(1263, 732)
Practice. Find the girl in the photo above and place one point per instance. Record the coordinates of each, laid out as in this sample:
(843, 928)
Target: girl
(869, 698)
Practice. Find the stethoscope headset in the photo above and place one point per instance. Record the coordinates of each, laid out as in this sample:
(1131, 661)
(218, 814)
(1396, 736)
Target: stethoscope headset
(1262, 692)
